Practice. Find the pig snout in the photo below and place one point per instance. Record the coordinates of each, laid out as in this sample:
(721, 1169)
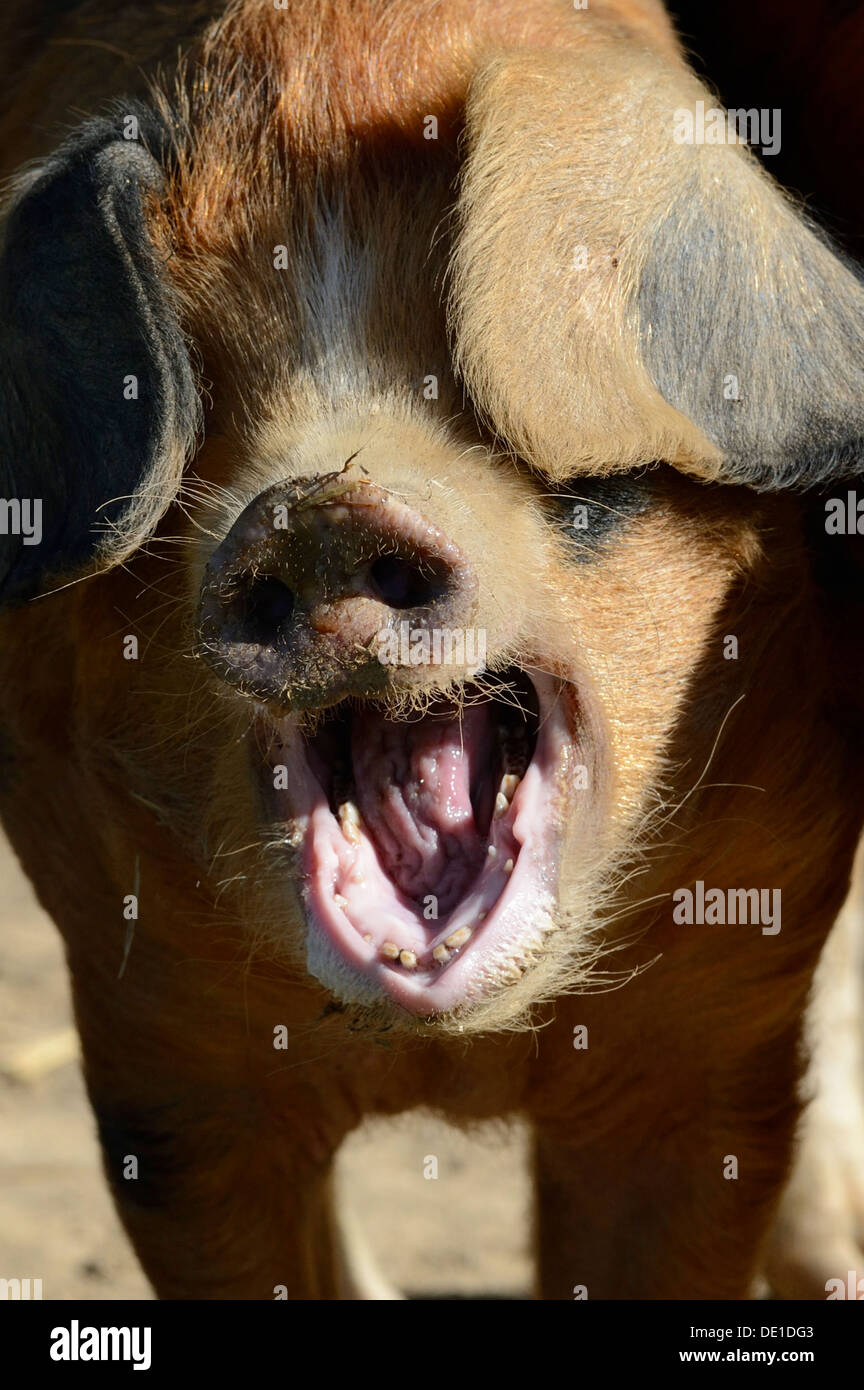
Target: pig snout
(320, 589)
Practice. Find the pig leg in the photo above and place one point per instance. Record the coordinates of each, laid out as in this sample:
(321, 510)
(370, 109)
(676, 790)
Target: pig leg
(222, 1208)
(652, 1214)
(256, 1223)
(218, 1158)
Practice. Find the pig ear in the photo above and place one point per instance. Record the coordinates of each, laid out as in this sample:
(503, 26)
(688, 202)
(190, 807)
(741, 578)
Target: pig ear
(97, 400)
(619, 295)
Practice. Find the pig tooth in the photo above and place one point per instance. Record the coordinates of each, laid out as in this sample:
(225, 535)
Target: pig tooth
(502, 805)
(339, 900)
(408, 959)
(390, 950)
(480, 916)
(509, 783)
(349, 819)
(459, 937)
(297, 833)
(508, 867)
(367, 936)
(491, 852)
(441, 954)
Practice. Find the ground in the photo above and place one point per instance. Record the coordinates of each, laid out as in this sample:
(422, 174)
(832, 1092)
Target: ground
(468, 1228)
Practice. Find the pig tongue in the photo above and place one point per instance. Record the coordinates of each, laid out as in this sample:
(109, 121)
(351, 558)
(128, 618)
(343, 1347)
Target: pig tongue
(414, 782)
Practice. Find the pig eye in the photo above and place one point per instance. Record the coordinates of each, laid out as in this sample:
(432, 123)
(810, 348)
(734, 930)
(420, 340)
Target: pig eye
(591, 511)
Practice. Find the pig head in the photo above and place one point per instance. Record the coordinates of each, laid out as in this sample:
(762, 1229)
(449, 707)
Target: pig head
(433, 582)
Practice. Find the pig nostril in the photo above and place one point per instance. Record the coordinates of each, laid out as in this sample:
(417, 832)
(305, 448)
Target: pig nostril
(405, 583)
(266, 607)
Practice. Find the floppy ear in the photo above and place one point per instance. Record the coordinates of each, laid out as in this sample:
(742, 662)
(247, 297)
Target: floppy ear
(619, 297)
(97, 398)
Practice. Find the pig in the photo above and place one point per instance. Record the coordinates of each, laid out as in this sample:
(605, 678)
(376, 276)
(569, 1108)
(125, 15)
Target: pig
(432, 452)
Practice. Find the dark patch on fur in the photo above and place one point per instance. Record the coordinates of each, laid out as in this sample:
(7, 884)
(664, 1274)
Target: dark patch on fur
(150, 1138)
(609, 504)
(82, 306)
(785, 319)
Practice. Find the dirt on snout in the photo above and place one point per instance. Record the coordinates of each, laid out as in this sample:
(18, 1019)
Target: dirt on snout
(462, 1234)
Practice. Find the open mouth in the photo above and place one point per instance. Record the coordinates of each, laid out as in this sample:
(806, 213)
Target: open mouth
(428, 845)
